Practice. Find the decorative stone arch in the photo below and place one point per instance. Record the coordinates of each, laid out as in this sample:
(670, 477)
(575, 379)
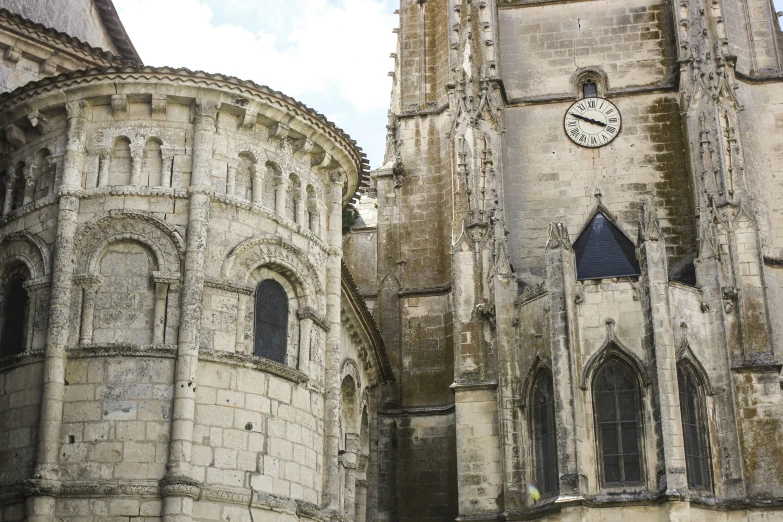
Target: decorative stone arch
(593, 74)
(273, 252)
(539, 364)
(685, 355)
(30, 250)
(349, 367)
(612, 348)
(162, 239)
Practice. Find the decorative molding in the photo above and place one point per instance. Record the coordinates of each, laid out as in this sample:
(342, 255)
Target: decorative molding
(474, 386)
(531, 293)
(419, 410)
(86, 351)
(237, 287)
(21, 359)
(180, 486)
(255, 363)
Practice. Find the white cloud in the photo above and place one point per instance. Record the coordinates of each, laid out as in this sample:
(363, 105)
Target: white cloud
(299, 47)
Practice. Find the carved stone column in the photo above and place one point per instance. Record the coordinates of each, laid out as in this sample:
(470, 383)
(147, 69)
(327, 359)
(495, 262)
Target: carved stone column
(360, 511)
(29, 184)
(561, 279)
(300, 206)
(349, 459)
(281, 186)
(39, 507)
(167, 154)
(305, 326)
(331, 491)
(137, 160)
(176, 507)
(90, 284)
(10, 186)
(104, 162)
(661, 354)
(240, 343)
(257, 177)
(34, 289)
(231, 181)
(162, 283)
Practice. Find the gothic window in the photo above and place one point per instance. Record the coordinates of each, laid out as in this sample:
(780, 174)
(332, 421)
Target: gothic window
(694, 428)
(602, 250)
(271, 322)
(589, 89)
(544, 438)
(617, 409)
(13, 312)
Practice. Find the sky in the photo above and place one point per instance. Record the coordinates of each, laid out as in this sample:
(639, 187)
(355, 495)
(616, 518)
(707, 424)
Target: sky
(332, 55)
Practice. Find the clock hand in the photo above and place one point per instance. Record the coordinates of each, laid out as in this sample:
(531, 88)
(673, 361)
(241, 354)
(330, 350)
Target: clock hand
(590, 120)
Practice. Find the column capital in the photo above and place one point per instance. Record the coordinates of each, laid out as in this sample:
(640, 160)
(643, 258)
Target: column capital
(205, 108)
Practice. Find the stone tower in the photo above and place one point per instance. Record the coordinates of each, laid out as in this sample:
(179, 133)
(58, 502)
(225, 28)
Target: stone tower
(600, 320)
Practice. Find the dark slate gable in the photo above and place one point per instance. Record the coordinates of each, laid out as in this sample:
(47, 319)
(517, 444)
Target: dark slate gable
(602, 250)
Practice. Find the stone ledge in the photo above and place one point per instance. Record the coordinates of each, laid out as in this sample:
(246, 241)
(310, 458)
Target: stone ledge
(21, 359)
(163, 351)
(254, 363)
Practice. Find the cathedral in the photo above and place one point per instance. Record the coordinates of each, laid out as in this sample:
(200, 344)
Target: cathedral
(559, 298)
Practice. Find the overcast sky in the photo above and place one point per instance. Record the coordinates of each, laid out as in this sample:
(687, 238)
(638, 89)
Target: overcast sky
(332, 55)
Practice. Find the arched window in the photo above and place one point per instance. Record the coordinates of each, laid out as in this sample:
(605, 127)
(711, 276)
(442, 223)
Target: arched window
(589, 89)
(271, 322)
(694, 428)
(544, 438)
(14, 312)
(617, 409)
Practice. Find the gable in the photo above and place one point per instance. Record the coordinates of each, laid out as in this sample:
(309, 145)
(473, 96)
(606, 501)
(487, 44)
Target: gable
(602, 250)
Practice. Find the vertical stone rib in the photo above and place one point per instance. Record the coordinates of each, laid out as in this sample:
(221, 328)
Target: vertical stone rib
(561, 278)
(331, 491)
(40, 508)
(177, 508)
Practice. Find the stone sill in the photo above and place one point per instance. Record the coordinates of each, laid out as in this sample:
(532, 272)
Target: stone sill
(255, 363)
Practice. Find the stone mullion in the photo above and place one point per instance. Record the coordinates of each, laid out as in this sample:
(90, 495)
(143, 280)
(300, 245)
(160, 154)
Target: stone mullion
(240, 346)
(90, 286)
(179, 487)
(167, 155)
(331, 474)
(661, 356)
(305, 327)
(561, 280)
(137, 160)
(10, 186)
(104, 162)
(231, 181)
(349, 459)
(40, 508)
(257, 185)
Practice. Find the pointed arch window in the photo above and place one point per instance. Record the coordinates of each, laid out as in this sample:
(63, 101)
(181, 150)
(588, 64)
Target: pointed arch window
(694, 427)
(13, 312)
(271, 321)
(543, 434)
(617, 409)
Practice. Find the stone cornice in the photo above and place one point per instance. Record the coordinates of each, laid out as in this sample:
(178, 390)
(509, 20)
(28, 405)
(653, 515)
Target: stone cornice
(84, 351)
(275, 100)
(64, 44)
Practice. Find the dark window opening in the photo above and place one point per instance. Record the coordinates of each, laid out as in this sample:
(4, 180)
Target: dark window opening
(271, 322)
(602, 251)
(544, 436)
(589, 89)
(694, 428)
(616, 405)
(14, 312)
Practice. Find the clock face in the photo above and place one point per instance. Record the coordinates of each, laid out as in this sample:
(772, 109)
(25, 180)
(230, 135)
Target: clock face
(592, 122)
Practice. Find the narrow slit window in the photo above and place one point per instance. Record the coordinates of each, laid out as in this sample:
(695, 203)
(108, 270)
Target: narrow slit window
(694, 428)
(544, 436)
(589, 89)
(617, 409)
(271, 321)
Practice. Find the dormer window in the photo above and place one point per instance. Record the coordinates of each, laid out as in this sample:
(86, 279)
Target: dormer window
(589, 89)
